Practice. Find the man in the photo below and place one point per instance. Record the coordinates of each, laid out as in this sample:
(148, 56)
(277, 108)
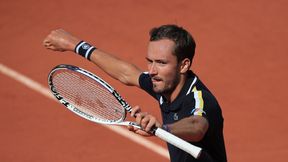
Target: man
(189, 110)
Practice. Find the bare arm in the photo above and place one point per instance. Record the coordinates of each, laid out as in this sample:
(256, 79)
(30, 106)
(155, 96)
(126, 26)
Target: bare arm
(60, 40)
(192, 128)
(118, 69)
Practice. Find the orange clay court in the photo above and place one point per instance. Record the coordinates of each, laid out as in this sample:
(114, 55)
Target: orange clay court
(241, 55)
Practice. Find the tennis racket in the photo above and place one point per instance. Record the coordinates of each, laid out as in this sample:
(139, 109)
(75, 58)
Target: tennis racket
(90, 97)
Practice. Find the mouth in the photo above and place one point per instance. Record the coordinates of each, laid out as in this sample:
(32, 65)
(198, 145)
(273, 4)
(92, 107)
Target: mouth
(156, 79)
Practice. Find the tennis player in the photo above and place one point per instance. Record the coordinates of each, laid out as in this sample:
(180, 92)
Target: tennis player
(189, 110)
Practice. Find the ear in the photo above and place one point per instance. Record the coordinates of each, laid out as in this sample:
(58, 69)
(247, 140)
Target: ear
(185, 65)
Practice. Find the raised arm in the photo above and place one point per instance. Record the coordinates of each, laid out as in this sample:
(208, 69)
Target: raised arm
(127, 73)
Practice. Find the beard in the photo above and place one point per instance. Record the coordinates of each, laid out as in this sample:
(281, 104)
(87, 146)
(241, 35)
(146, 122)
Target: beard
(164, 87)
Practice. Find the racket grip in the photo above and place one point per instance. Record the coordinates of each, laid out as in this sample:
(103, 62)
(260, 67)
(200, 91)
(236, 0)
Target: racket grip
(178, 142)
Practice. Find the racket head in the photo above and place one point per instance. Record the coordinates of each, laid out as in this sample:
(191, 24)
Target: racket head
(87, 95)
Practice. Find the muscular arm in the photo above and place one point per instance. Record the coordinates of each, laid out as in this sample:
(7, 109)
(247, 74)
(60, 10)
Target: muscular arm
(192, 128)
(60, 40)
(118, 69)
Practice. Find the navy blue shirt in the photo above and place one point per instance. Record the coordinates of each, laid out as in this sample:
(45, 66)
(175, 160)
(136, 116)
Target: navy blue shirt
(193, 99)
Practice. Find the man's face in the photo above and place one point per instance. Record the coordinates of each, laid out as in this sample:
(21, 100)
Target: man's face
(162, 65)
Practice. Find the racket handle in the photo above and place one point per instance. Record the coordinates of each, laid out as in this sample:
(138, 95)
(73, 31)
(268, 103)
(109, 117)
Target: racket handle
(178, 142)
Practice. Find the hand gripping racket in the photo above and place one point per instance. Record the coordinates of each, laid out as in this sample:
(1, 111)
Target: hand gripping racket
(90, 97)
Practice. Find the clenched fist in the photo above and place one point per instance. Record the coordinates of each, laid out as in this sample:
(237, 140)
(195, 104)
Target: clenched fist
(60, 40)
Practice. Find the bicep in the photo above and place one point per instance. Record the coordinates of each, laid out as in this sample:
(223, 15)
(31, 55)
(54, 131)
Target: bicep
(131, 76)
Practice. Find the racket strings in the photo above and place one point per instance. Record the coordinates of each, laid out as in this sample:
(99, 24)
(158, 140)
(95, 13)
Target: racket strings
(88, 96)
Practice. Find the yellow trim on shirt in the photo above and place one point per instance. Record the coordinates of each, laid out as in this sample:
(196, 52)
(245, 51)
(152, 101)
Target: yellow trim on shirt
(199, 102)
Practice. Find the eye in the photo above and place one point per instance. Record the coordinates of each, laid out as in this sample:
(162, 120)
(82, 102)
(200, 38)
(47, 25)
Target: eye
(161, 62)
(149, 61)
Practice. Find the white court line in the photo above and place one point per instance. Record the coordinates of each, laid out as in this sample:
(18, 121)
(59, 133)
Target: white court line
(119, 130)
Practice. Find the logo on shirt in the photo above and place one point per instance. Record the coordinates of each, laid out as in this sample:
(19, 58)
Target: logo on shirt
(175, 116)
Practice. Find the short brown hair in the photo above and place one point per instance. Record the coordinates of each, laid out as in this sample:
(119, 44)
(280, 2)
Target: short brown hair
(184, 42)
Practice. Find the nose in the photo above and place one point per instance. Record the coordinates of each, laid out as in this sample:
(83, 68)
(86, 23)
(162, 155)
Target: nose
(152, 69)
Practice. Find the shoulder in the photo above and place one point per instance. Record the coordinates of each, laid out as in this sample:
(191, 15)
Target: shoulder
(145, 84)
(202, 102)
(145, 81)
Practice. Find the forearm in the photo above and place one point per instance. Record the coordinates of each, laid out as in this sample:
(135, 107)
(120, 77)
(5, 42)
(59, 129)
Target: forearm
(118, 69)
(60, 40)
(191, 128)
